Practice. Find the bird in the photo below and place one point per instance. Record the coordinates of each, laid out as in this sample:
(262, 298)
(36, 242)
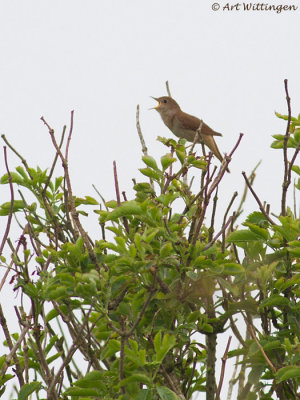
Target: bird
(184, 125)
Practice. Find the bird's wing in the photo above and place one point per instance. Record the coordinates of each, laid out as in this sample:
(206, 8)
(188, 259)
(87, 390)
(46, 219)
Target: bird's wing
(193, 123)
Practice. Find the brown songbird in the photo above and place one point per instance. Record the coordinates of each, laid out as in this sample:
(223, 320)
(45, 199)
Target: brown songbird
(184, 125)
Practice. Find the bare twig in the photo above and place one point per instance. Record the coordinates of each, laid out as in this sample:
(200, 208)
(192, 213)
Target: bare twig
(168, 89)
(211, 189)
(244, 195)
(224, 227)
(10, 213)
(68, 358)
(224, 166)
(257, 200)
(55, 160)
(224, 219)
(69, 136)
(252, 332)
(139, 130)
(74, 213)
(118, 195)
(13, 348)
(24, 162)
(12, 261)
(197, 136)
(233, 379)
(224, 359)
(213, 214)
(286, 180)
(116, 184)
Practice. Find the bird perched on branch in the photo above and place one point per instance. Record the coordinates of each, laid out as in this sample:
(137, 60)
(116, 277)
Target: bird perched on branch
(185, 125)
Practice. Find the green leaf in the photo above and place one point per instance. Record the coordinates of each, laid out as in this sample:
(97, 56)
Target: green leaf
(278, 137)
(150, 162)
(76, 391)
(144, 394)
(285, 117)
(112, 347)
(165, 249)
(251, 396)
(166, 394)
(15, 178)
(126, 209)
(23, 173)
(17, 206)
(27, 389)
(296, 169)
(92, 380)
(180, 155)
(58, 182)
(297, 135)
(262, 232)
(167, 160)
(90, 200)
(163, 346)
(290, 372)
(202, 164)
(233, 269)
(242, 235)
(135, 378)
(274, 300)
(257, 218)
(111, 204)
(150, 173)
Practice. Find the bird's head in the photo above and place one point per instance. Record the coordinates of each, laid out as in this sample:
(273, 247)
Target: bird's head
(166, 105)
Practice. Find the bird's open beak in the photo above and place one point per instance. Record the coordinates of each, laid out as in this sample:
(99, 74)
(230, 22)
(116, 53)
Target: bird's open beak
(158, 105)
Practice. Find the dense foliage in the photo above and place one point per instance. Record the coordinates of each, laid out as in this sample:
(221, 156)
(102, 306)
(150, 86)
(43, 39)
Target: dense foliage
(137, 313)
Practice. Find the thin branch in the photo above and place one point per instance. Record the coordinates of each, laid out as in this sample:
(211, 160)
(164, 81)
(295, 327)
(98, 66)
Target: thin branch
(224, 227)
(168, 89)
(251, 330)
(164, 287)
(257, 200)
(213, 186)
(69, 136)
(224, 166)
(116, 184)
(73, 348)
(224, 359)
(286, 181)
(12, 348)
(118, 195)
(139, 130)
(233, 379)
(197, 136)
(224, 219)
(10, 213)
(15, 251)
(55, 160)
(244, 195)
(74, 213)
(122, 352)
(24, 162)
(152, 291)
(213, 214)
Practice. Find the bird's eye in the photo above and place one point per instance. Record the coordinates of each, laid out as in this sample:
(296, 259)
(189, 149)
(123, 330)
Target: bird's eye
(165, 101)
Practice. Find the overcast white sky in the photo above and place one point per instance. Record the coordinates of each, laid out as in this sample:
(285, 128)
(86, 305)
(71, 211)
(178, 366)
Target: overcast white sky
(102, 58)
